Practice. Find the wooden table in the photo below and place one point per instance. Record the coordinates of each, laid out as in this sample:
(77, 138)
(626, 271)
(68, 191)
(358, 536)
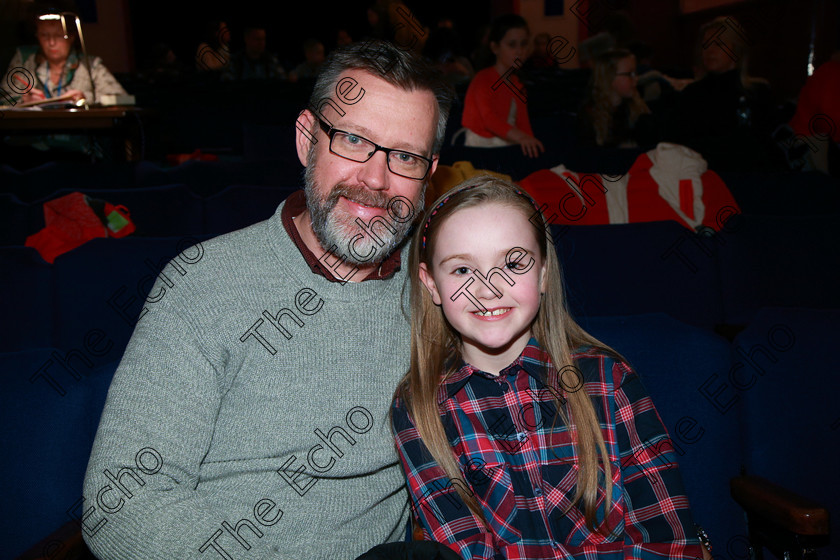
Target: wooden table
(123, 123)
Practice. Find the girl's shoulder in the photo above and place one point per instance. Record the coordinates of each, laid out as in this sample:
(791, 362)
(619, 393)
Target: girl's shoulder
(601, 365)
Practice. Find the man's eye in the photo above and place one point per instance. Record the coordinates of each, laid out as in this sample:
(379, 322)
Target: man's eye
(405, 159)
(352, 139)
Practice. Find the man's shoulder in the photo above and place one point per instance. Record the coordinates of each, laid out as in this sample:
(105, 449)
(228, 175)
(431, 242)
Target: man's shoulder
(248, 247)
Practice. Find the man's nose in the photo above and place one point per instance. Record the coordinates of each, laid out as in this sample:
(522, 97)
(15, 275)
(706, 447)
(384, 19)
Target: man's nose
(374, 172)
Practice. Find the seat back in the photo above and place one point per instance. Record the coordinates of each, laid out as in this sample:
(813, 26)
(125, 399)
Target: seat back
(785, 374)
(626, 269)
(768, 261)
(102, 287)
(49, 436)
(27, 300)
(674, 359)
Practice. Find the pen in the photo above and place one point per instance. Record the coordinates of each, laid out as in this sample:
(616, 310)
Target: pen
(19, 79)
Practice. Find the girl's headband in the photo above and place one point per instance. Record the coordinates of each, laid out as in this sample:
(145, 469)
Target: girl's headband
(468, 187)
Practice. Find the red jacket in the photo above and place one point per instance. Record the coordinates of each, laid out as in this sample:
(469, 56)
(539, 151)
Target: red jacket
(487, 104)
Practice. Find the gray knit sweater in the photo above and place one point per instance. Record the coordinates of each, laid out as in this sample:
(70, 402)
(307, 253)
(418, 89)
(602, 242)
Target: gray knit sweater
(217, 420)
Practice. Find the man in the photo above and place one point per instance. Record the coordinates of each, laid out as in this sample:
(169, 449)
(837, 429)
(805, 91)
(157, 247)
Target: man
(253, 63)
(248, 417)
(313, 52)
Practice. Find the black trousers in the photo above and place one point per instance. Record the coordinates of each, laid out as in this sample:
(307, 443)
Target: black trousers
(415, 550)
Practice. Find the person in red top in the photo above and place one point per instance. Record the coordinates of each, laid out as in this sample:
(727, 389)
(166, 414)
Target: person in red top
(817, 116)
(495, 108)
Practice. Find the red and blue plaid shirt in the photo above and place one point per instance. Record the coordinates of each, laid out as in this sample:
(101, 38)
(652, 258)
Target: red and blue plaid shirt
(521, 466)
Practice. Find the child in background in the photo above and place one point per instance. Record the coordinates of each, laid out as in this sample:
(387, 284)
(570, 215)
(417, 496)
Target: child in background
(495, 110)
(614, 114)
(521, 435)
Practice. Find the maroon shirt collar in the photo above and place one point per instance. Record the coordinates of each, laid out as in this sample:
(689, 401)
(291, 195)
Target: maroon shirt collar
(295, 206)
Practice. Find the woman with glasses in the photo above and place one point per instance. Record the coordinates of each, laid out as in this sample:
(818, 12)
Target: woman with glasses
(55, 68)
(614, 115)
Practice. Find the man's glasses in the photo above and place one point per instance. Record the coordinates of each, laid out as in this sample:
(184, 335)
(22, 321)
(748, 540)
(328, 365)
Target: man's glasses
(356, 148)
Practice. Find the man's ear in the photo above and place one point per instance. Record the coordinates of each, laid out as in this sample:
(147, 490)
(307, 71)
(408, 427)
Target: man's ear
(435, 160)
(429, 282)
(305, 129)
(494, 47)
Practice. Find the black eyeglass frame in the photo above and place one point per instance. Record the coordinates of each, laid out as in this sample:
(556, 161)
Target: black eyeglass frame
(331, 131)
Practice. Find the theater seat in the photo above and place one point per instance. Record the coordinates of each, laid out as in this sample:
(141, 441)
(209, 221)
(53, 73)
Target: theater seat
(674, 359)
(101, 287)
(161, 211)
(48, 441)
(17, 220)
(627, 269)
(239, 206)
(27, 301)
(768, 261)
(785, 365)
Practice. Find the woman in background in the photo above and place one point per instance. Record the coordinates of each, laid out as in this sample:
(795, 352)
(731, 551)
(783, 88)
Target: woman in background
(56, 68)
(614, 114)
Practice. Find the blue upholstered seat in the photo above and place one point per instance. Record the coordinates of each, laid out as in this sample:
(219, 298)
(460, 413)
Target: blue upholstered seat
(786, 376)
(48, 438)
(625, 269)
(673, 360)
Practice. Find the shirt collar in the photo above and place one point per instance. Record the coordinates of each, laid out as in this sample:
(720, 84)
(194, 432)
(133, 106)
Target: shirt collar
(533, 360)
(294, 207)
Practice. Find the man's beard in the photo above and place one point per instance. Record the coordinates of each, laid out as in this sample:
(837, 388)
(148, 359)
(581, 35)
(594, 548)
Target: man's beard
(335, 231)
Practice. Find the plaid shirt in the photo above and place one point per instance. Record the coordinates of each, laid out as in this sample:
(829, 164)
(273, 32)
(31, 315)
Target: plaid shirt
(522, 468)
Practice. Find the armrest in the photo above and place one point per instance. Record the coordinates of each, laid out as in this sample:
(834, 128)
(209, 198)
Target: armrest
(65, 543)
(779, 506)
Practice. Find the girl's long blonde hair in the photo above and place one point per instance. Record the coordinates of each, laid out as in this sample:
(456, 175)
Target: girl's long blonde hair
(436, 348)
(599, 103)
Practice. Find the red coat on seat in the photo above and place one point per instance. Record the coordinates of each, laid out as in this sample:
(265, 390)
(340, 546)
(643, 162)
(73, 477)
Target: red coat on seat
(670, 182)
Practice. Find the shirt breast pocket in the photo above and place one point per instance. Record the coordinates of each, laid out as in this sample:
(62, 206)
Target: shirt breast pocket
(489, 481)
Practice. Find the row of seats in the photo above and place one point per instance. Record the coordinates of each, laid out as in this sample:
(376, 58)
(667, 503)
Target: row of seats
(755, 262)
(203, 178)
(157, 211)
(760, 403)
(275, 162)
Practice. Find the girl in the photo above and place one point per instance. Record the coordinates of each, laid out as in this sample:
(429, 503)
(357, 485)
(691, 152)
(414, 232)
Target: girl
(521, 435)
(495, 113)
(614, 115)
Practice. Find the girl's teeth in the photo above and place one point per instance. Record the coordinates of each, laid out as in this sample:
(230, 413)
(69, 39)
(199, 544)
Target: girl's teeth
(491, 313)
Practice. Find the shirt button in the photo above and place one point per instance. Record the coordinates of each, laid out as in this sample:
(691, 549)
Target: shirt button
(505, 387)
(522, 436)
(538, 491)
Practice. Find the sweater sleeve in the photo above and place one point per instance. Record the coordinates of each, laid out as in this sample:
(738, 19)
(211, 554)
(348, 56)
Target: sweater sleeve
(141, 493)
(103, 79)
(10, 93)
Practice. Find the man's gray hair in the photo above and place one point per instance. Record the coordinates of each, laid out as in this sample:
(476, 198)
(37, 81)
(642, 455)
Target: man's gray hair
(396, 66)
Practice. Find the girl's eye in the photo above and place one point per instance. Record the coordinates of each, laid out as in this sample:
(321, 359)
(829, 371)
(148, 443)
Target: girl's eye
(461, 270)
(515, 266)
